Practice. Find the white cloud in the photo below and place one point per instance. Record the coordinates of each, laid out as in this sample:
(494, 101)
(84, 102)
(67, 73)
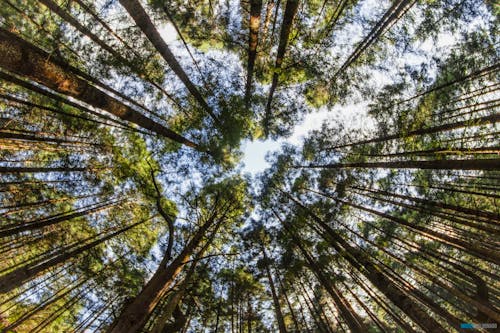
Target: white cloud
(168, 33)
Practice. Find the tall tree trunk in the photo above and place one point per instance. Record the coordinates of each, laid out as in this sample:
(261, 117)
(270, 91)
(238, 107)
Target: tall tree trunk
(41, 169)
(277, 306)
(11, 229)
(23, 58)
(253, 39)
(476, 74)
(286, 27)
(135, 315)
(142, 19)
(48, 94)
(19, 276)
(490, 119)
(472, 248)
(54, 7)
(359, 260)
(477, 164)
(437, 204)
(290, 307)
(394, 13)
(352, 319)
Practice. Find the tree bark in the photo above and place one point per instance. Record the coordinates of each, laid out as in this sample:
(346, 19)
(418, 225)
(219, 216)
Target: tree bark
(23, 274)
(253, 39)
(277, 306)
(286, 27)
(135, 315)
(25, 59)
(142, 20)
(477, 164)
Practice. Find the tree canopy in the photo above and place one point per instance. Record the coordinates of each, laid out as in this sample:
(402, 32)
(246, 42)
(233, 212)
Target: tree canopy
(125, 206)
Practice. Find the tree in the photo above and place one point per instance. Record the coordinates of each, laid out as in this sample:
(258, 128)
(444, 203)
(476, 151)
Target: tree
(123, 207)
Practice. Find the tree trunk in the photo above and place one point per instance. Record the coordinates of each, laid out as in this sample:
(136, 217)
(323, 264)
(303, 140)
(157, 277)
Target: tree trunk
(354, 322)
(41, 169)
(25, 59)
(253, 39)
(23, 274)
(135, 315)
(12, 229)
(394, 13)
(477, 164)
(372, 272)
(142, 19)
(490, 119)
(286, 27)
(442, 205)
(277, 307)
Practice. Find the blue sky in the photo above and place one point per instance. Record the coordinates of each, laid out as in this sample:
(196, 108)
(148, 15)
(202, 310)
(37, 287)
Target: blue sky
(354, 116)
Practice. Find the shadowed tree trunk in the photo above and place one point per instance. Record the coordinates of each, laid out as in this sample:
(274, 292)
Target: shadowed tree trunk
(360, 260)
(253, 39)
(277, 306)
(135, 315)
(352, 319)
(286, 27)
(23, 274)
(477, 164)
(490, 119)
(142, 19)
(25, 59)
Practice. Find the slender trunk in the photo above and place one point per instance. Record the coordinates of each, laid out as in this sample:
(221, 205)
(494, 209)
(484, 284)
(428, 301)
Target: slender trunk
(135, 315)
(48, 94)
(443, 152)
(354, 322)
(373, 272)
(106, 26)
(480, 301)
(290, 307)
(458, 219)
(472, 248)
(41, 139)
(60, 294)
(381, 303)
(54, 7)
(142, 19)
(277, 306)
(41, 169)
(22, 206)
(286, 27)
(370, 313)
(25, 59)
(23, 274)
(442, 205)
(216, 328)
(249, 314)
(11, 229)
(452, 320)
(253, 39)
(56, 314)
(479, 73)
(490, 119)
(477, 164)
(267, 19)
(390, 17)
(313, 310)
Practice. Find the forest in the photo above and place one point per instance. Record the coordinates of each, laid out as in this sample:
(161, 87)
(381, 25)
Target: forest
(126, 200)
